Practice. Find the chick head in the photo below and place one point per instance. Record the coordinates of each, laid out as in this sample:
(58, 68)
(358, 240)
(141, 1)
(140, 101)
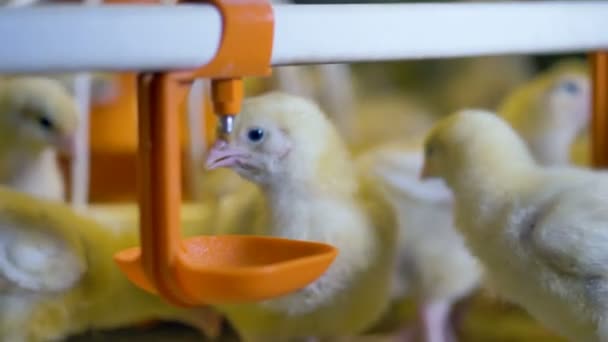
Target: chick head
(470, 137)
(568, 102)
(36, 113)
(280, 138)
(558, 101)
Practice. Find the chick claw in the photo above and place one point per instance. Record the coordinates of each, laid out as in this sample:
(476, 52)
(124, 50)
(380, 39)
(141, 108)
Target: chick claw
(206, 321)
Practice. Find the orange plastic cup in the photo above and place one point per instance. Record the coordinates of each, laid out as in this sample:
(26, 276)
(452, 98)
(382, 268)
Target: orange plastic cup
(231, 268)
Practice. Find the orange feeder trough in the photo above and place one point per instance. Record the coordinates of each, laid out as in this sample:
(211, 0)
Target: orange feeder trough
(212, 269)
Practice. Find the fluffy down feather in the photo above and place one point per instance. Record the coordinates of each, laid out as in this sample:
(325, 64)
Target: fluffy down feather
(37, 118)
(58, 278)
(433, 264)
(538, 231)
(551, 112)
(309, 189)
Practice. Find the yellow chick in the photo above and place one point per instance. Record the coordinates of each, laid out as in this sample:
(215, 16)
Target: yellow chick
(309, 190)
(218, 183)
(58, 277)
(580, 154)
(552, 111)
(37, 118)
(433, 264)
(539, 232)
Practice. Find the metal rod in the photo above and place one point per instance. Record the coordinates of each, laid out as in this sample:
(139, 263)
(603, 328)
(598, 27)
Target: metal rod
(224, 126)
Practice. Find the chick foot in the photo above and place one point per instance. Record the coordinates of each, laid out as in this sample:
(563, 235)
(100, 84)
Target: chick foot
(206, 321)
(435, 322)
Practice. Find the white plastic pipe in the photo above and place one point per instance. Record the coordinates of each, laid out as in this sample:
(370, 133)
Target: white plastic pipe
(355, 33)
(131, 37)
(110, 37)
(17, 3)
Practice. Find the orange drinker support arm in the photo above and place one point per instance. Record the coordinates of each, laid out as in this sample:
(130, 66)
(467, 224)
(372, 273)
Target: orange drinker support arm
(245, 50)
(159, 180)
(209, 270)
(227, 96)
(599, 133)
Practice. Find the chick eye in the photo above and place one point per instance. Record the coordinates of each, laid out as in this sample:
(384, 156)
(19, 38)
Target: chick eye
(45, 122)
(570, 87)
(255, 134)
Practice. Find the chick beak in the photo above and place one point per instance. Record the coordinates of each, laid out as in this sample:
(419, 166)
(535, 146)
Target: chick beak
(223, 154)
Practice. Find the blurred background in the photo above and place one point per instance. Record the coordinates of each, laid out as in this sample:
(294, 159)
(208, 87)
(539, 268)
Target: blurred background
(371, 103)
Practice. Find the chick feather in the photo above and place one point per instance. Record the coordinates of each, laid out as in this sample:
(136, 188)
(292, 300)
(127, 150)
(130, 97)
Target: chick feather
(433, 264)
(552, 112)
(38, 117)
(580, 153)
(308, 189)
(538, 231)
(58, 277)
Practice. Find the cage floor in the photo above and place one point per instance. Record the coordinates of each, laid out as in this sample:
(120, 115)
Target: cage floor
(485, 320)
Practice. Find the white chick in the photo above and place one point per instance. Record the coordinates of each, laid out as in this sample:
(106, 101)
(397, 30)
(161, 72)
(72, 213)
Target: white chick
(551, 111)
(433, 264)
(539, 232)
(310, 191)
(37, 118)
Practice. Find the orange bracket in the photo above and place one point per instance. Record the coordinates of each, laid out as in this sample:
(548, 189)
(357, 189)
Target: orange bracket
(245, 50)
(205, 269)
(599, 132)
